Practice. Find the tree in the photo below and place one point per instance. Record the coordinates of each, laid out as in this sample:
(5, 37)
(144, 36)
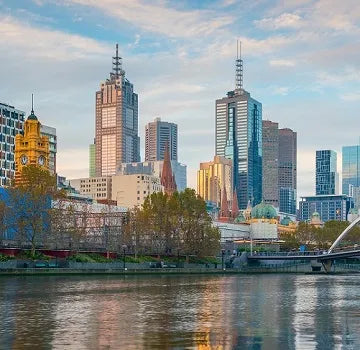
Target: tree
(28, 205)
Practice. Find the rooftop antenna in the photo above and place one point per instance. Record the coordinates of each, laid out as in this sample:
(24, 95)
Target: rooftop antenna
(117, 64)
(238, 67)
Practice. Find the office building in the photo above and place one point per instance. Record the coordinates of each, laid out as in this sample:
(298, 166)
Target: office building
(92, 169)
(350, 168)
(327, 178)
(270, 144)
(213, 177)
(155, 168)
(287, 170)
(238, 137)
(50, 132)
(131, 190)
(11, 124)
(32, 148)
(116, 128)
(96, 188)
(158, 134)
(329, 207)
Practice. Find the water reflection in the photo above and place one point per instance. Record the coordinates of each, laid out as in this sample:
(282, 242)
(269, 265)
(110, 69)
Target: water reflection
(181, 312)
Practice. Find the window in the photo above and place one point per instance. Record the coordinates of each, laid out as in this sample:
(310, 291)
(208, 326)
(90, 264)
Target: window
(108, 117)
(129, 118)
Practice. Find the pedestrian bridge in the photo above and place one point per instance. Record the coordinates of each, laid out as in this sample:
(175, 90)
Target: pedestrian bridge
(326, 257)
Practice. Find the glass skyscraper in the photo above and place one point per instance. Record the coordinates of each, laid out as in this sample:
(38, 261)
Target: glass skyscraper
(326, 174)
(350, 168)
(239, 137)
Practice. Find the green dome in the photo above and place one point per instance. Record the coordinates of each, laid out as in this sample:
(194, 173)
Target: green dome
(285, 221)
(263, 211)
(32, 116)
(315, 214)
(239, 219)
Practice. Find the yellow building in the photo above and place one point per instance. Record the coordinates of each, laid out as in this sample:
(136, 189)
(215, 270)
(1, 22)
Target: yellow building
(31, 148)
(213, 177)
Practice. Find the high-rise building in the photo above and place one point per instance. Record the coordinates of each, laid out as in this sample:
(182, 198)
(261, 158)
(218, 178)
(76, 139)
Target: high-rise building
(11, 124)
(50, 132)
(270, 144)
(327, 177)
(155, 168)
(287, 170)
(31, 148)
(92, 172)
(350, 168)
(329, 207)
(239, 138)
(116, 128)
(213, 177)
(158, 134)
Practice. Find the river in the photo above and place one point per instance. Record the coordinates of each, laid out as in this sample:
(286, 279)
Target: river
(270, 311)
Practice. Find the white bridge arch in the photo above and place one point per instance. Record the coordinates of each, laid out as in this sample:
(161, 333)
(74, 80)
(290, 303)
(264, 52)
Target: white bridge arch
(343, 234)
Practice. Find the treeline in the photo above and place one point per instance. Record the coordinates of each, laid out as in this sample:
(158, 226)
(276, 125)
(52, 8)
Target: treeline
(170, 225)
(34, 213)
(320, 237)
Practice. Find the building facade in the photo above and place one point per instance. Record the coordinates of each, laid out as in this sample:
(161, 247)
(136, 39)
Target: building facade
(155, 168)
(92, 152)
(270, 144)
(287, 170)
(50, 132)
(96, 188)
(213, 177)
(11, 124)
(327, 178)
(116, 127)
(350, 168)
(238, 137)
(131, 190)
(31, 148)
(329, 207)
(159, 134)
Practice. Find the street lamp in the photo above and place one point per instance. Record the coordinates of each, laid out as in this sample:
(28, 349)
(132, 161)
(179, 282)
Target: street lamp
(124, 250)
(222, 258)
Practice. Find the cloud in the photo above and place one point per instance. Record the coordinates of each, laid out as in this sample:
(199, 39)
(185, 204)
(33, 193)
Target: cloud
(285, 20)
(280, 90)
(282, 63)
(157, 18)
(351, 96)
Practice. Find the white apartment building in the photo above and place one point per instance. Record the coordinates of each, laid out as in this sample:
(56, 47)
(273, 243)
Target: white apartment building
(97, 188)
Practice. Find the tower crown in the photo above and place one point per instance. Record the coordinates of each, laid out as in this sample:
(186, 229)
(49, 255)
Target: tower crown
(32, 115)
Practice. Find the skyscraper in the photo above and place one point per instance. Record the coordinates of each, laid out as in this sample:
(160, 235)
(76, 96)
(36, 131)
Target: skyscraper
(287, 170)
(50, 132)
(92, 172)
(270, 144)
(213, 177)
(239, 137)
(326, 174)
(350, 168)
(116, 128)
(157, 135)
(11, 124)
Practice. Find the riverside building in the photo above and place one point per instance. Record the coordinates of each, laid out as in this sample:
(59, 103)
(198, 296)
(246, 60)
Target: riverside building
(350, 168)
(116, 127)
(327, 178)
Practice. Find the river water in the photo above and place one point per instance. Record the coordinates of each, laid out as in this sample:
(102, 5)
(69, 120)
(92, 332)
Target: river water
(180, 312)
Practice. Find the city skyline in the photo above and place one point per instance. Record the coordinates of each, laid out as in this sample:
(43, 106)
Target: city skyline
(180, 70)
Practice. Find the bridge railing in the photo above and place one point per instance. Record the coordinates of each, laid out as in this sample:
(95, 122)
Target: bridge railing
(291, 253)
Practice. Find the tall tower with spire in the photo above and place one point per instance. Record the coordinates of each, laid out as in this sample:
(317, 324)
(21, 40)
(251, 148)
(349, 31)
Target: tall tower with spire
(238, 137)
(31, 148)
(116, 124)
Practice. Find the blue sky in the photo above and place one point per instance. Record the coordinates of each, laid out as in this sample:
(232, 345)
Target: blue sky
(301, 60)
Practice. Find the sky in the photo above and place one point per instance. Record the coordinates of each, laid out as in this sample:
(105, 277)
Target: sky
(301, 61)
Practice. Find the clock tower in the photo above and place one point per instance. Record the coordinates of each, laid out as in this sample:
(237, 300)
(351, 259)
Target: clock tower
(31, 148)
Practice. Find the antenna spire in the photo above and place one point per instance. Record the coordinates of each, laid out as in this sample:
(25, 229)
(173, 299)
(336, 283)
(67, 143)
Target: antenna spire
(238, 67)
(32, 103)
(117, 70)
